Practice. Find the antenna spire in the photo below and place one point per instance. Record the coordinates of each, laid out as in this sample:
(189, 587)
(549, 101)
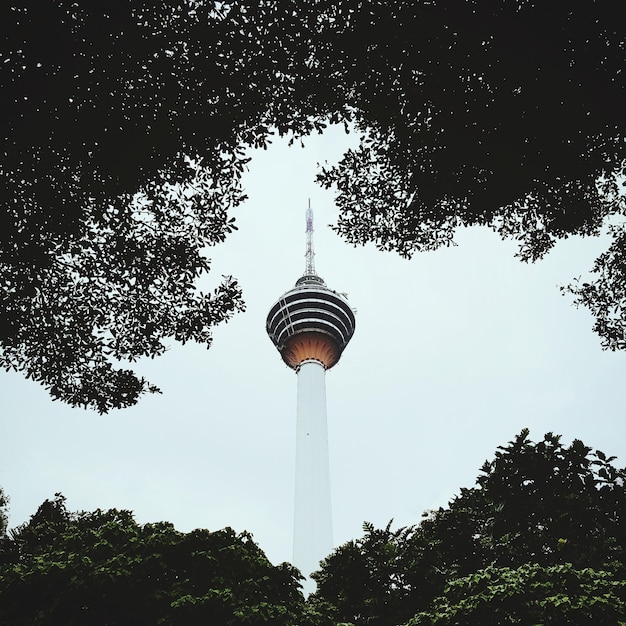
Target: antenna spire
(310, 255)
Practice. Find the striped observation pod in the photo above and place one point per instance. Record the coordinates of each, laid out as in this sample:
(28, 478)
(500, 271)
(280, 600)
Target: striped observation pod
(311, 322)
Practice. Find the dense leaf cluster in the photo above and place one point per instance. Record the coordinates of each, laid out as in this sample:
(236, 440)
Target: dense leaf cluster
(503, 113)
(463, 121)
(605, 295)
(117, 291)
(539, 511)
(124, 143)
(530, 594)
(103, 222)
(104, 568)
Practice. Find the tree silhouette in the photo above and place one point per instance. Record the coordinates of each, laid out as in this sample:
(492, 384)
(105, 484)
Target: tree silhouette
(102, 567)
(539, 506)
(127, 129)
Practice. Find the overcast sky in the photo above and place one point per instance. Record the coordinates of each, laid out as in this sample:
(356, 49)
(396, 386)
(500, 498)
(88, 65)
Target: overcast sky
(454, 353)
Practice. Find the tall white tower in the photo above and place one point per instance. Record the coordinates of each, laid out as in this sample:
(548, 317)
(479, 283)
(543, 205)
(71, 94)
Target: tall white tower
(311, 325)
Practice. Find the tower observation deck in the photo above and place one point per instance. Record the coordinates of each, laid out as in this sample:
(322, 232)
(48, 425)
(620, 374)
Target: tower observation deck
(311, 322)
(310, 325)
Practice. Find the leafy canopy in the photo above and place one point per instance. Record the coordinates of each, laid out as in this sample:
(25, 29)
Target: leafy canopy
(102, 567)
(530, 594)
(552, 510)
(539, 539)
(125, 139)
(506, 114)
(467, 122)
(127, 128)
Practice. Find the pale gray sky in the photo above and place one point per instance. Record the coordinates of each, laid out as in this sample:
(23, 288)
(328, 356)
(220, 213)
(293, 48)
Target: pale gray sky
(455, 352)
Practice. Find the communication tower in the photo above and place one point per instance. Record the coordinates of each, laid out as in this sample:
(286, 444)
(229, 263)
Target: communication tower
(310, 325)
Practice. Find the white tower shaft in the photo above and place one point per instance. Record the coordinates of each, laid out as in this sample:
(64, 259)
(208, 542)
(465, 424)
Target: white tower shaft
(312, 534)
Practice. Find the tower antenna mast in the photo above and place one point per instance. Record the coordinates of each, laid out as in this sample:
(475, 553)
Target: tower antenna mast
(310, 254)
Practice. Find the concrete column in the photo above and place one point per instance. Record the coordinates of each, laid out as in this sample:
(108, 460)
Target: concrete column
(312, 533)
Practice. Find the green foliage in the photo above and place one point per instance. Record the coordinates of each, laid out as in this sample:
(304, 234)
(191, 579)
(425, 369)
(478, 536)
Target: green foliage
(540, 539)
(538, 502)
(117, 290)
(102, 103)
(543, 504)
(460, 128)
(366, 580)
(464, 123)
(4, 503)
(104, 568)
(529, 595)
(165, 99)
(605, 295)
